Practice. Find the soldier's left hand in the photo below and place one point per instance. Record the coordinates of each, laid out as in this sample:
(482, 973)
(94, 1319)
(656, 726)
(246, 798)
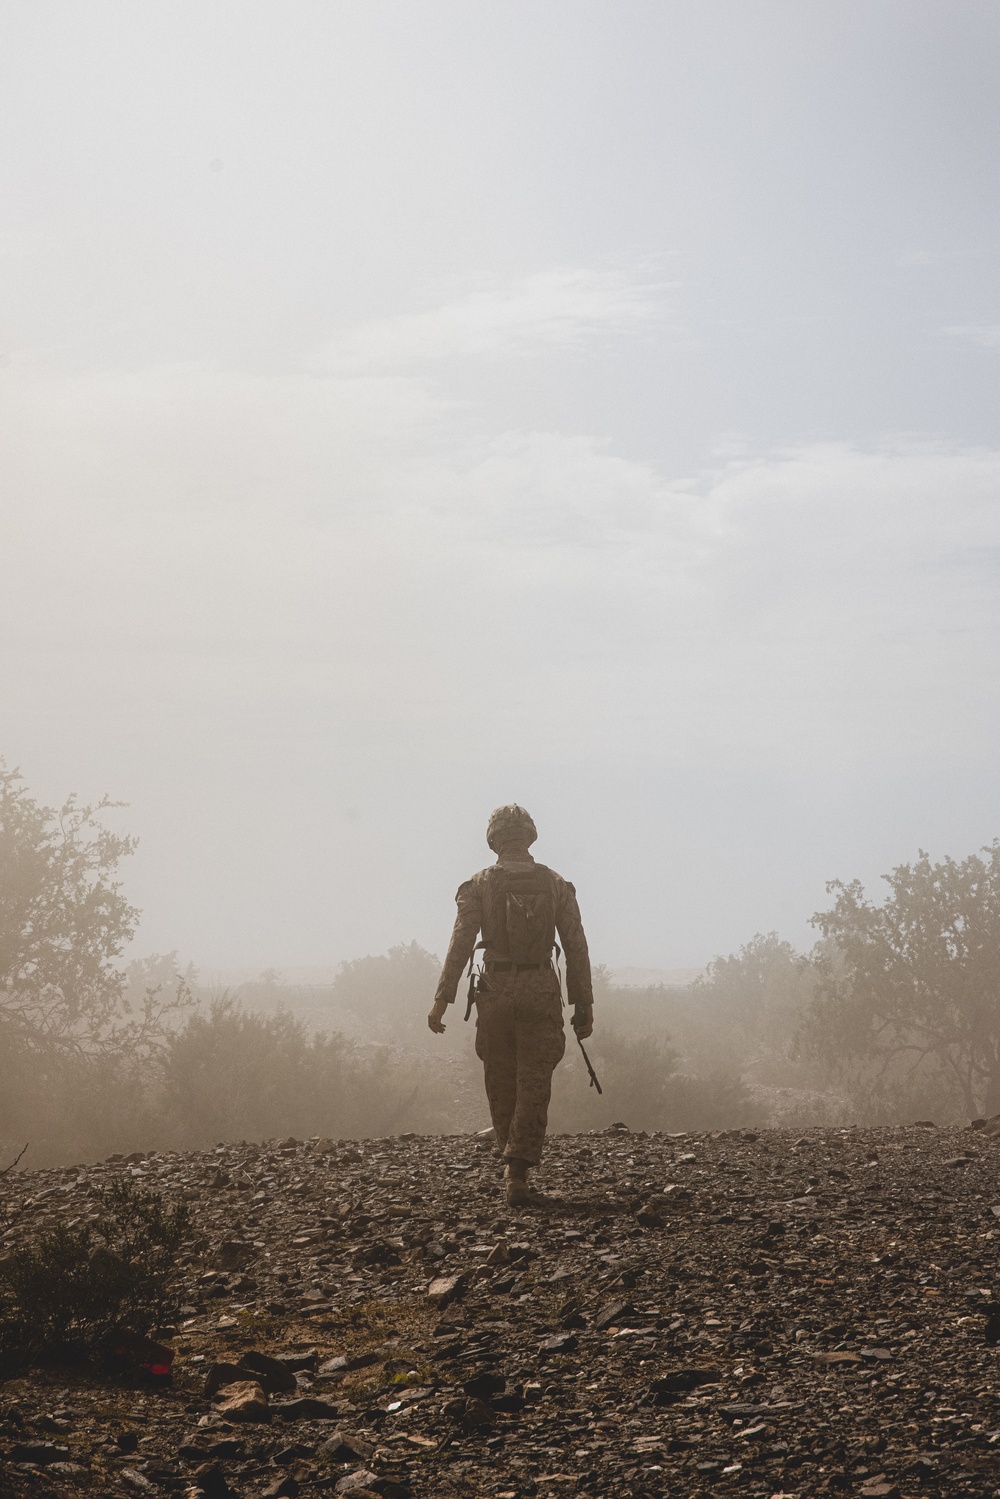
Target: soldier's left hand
(583, 1023)
(436, 1017)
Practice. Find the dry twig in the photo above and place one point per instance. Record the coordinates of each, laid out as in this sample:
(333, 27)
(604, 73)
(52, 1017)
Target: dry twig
(5, 1169)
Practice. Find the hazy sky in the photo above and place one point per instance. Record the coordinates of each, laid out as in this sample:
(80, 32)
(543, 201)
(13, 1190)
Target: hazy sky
(408, 407)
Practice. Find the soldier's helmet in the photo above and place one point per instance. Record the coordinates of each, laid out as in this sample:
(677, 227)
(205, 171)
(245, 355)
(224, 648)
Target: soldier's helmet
(509, 823)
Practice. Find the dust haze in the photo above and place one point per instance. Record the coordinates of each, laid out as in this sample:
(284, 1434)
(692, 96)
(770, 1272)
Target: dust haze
(412, 408)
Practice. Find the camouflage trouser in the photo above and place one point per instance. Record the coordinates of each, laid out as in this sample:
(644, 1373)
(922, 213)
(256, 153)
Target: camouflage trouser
(520, 1039)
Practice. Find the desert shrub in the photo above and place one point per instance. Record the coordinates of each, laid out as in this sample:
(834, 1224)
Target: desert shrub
(634, 1074)
(71, 1105)
(715, 1100)
(236, 1074)
(892, 1090)
(390, 994)
(77, 1291)
(645, 1089)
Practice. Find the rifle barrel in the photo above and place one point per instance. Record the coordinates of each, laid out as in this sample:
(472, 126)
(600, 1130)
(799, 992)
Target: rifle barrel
(594, 1082)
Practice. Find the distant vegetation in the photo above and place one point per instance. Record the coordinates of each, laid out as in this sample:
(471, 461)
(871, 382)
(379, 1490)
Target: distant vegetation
(895, 1015)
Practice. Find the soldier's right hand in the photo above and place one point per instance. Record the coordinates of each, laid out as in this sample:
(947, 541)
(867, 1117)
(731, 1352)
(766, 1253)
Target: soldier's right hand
(583, 1021)
(436, 1017)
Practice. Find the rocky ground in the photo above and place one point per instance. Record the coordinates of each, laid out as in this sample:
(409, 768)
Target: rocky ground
(713, 1314)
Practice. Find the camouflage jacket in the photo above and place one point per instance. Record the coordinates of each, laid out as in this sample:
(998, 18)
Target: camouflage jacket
(474, 917)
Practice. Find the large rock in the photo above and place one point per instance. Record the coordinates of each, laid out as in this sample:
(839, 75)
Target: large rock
(211, 1480)
(218, 1376)
(272, 1373)
(445, 1289)
(243, 1401)
(344, 1447)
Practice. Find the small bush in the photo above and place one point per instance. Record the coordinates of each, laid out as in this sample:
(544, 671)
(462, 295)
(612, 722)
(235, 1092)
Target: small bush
(716, 1100)
(78, 1292)
(644, 1088)
(233, 1074)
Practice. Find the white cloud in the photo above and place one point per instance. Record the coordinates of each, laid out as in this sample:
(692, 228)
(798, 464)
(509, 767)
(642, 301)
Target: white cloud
(22, 243)
(351, 552)
(247, 602)
(987, 335)
(550, 307)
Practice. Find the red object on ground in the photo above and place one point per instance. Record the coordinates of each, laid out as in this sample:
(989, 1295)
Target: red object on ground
(144, 1353)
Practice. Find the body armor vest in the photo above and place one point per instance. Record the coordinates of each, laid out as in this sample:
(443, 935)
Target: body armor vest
(519, 914)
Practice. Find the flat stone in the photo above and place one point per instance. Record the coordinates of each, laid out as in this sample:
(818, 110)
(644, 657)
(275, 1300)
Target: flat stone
(613, 1312)
(298, 1362)
(361, 1478)
(560, 1342)
(346, 1364)
(345, 1448)
(283, 1488)
(690, 1377)
(307, 1408)
(674, 1198)
(737, 1411)
(41, 1453)
(445, 1289)
(133, 1479)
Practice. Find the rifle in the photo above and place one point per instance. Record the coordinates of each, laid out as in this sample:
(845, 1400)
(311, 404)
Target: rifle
(594, 1083)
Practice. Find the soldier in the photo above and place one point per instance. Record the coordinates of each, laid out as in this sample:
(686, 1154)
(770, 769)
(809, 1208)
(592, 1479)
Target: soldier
(518, 906)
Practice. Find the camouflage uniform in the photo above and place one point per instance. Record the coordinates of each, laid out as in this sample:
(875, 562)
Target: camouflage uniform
(519, 1024)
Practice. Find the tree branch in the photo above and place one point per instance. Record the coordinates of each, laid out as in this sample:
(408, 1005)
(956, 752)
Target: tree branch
(14, 1162)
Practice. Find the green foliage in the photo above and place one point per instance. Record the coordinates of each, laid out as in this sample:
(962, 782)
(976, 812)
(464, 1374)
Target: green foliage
(912, 984)
(76, 1291)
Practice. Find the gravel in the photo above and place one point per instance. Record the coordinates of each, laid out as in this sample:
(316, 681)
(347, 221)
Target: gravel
(730, 1313)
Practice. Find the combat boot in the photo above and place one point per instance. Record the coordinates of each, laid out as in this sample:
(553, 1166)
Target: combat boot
(519, 1194)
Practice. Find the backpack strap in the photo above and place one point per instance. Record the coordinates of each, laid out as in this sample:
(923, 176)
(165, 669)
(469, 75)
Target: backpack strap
(555, 964)
(472, 980)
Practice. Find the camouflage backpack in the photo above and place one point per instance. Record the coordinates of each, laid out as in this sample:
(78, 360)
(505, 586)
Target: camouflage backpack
(524, 906)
